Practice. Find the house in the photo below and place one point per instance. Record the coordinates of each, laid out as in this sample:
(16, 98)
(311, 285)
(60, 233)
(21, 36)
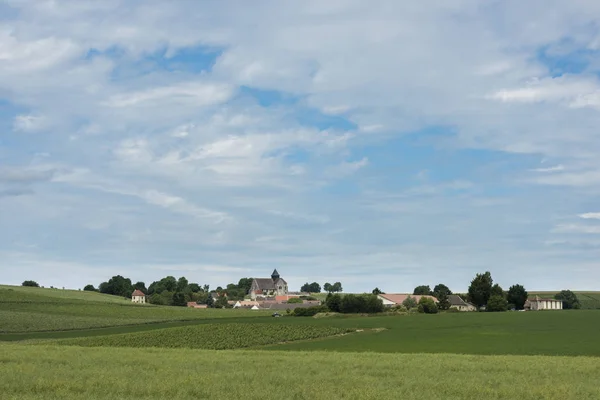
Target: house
(268, 287)
(138, 297)
(245, 304)
(390, 300)
(537, 304)
(459, 304)
(193, 304)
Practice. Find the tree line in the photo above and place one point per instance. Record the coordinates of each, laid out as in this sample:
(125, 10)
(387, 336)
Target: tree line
(170, 291)
(316, 288)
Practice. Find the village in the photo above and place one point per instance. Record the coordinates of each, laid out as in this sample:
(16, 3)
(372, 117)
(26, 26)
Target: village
(273, 294)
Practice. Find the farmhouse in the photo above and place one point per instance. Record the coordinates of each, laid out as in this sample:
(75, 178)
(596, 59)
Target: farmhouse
(459, 304)
(138, 297)
(390, 300)
(268, 287)
(537, 304)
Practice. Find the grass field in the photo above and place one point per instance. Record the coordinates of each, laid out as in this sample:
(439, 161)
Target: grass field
(36, 309)
(66, 346)
(58, 372)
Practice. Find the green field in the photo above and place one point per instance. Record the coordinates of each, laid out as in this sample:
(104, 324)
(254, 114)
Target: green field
(24, 309)
(66, 344)
(58, 372)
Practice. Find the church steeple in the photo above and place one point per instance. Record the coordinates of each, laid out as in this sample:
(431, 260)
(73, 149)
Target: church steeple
(275, 275)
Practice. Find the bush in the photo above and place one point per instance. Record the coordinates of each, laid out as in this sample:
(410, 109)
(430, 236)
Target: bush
(30, 284)
(427, 306)
(308, 311)
(333, 302)
(399, 308)
(453, 310)
(497, 303)
(409, 303)
(295, 300)
(363, 303)
(89, 288)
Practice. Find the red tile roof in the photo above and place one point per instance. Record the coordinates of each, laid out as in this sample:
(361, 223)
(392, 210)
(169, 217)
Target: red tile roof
(137, 292)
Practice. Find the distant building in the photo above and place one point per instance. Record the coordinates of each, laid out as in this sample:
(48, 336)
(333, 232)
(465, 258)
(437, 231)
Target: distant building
(537, 304)
(459, 304)
(268, 287)
(390, 300)
(138, 297)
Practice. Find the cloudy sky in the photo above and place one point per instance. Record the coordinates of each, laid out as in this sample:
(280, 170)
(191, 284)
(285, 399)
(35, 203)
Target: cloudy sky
(383, 143)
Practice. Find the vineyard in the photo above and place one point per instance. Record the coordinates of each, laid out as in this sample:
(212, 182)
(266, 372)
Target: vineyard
(212, 336)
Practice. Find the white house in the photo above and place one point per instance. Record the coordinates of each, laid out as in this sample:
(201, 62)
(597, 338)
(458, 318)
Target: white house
(138, 297)
(537, 304)
(390, 300)
(459, 304)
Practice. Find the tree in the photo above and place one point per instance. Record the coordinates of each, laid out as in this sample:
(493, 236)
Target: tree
(376, 291)
(517, 295)
(169, 283)
(569, 299)
(30, 284)
(210, 302)
(409, 302)
(221, 302)
(311, 287)
(480, 289)
(179, 299)
(333, 302)
(496, 303)
(328, 287)
(441, 288)
(427, 306)
(337, 287)
(194, 288)
(443, 302)
(497, 291)
(89, 288)
(182, 284)
(362, 303)
(245, 284)
(118, 286)
(140, 286)
(423, 290)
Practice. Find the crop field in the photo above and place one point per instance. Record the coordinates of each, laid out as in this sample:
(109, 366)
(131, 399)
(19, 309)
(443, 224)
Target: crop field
(65, 372)
(212, 336)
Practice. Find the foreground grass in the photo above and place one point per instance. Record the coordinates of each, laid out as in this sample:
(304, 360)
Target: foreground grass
(211, 336)
(59, 372)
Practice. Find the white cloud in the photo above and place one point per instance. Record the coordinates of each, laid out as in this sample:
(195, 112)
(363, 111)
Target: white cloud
(28, 123)
(591, 215)
(555, 168)
(192, 93)
(575, 228)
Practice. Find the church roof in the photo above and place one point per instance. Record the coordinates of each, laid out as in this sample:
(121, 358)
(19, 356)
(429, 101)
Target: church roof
(268, 283)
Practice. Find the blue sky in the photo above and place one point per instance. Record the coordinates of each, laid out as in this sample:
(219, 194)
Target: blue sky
(386, 145)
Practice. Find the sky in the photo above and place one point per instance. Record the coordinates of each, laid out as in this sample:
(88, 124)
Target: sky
(380, 144)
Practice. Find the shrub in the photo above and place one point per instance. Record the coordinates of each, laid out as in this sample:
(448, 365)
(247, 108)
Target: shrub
(427, 306)
(89, 288)
(294, 300)
(30, 284)
(333, 302)
(308, 311)
(409, 303)
(497, 303)
(363, 303)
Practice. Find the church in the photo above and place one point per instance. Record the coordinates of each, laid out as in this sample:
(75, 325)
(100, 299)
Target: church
(268, 287)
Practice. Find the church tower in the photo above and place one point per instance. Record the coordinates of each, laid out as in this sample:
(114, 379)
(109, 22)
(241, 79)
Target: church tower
(275, 276)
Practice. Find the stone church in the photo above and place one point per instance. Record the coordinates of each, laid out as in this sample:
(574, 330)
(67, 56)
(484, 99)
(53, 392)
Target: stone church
(268, 287)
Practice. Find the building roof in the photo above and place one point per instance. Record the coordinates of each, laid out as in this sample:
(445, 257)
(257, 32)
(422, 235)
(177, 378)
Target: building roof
(537, 298)
(399, 298)
(268, 283)
(456, 300)
(137, 292)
